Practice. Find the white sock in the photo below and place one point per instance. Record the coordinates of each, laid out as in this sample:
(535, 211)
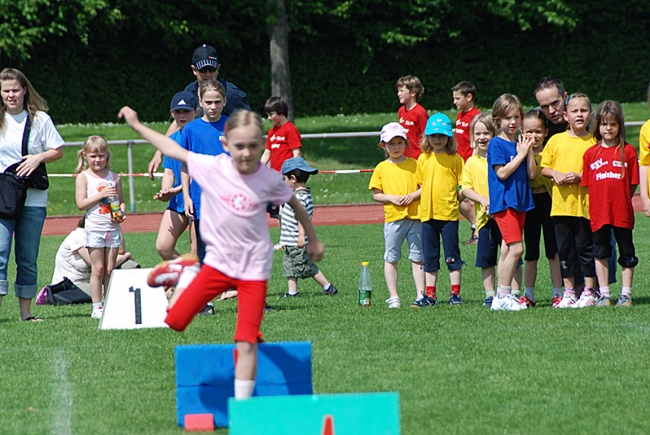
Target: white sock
(97, 306)
(327, 287)
(244, 388)
(293, 292)
(504, 290)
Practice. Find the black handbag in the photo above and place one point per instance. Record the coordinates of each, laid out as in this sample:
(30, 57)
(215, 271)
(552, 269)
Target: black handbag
(13, 192)
(66, 293)
(38, 178)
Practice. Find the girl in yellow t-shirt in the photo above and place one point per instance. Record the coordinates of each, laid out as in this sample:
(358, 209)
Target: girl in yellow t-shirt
(393, 184)
(562, 161)
(439, 173)
(644, 163)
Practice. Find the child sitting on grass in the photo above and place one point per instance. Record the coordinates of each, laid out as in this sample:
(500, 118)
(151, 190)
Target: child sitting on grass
(296, 263)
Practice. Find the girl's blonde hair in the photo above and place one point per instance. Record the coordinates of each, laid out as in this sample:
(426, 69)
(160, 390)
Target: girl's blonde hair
(505, 105)
(33, 101)
(245, 118)
(611, 110)
(450, 148)
(212, 85)
(93, 144)
(484, 118)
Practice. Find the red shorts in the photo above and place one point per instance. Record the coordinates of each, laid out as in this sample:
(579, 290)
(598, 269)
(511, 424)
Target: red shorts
(208, 284)
(511, 225)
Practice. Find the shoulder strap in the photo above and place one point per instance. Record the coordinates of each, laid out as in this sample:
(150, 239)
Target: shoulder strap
(28, 127)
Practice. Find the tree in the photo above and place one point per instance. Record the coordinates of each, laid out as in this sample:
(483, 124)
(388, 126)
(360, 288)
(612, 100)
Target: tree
(279, 52)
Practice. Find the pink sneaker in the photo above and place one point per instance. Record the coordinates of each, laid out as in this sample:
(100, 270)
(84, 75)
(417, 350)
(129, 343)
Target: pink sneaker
(167, 273)
(42, 299)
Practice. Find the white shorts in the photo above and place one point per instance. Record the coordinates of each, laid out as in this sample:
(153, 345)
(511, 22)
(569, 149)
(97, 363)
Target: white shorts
(396, 232)
(103, 239)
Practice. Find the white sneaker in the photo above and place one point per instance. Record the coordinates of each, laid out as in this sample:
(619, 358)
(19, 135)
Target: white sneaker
(97, 314)
(393, 302)
(585, 301)
(566, 302)
(507, 303)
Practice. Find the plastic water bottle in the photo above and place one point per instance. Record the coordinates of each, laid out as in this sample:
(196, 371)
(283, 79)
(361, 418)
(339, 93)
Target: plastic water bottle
(114, 203)
(365, 286)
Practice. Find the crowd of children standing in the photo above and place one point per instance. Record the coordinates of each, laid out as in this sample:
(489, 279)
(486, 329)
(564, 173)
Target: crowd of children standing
(575, 188)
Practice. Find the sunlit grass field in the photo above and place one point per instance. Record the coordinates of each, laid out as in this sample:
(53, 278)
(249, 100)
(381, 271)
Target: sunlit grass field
(458, 370)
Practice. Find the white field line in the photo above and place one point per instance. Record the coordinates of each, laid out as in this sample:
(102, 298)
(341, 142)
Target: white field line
(62, 395)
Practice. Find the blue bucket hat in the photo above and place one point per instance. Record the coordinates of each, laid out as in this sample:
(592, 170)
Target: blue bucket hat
(297, 163)
(438, 123)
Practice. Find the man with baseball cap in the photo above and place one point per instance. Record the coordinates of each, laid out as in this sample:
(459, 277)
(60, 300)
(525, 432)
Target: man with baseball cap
(205, 66)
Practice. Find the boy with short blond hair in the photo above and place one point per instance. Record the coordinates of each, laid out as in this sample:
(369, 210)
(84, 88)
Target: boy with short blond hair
(412, 116)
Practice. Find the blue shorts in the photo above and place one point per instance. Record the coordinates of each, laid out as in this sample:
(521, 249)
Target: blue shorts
(396, 232)
(489, 241)
(432, 231)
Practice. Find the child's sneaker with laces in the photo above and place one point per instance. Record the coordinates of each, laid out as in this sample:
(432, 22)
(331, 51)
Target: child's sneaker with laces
(624, 301)
(603, 301)
(393, 302)
(507, 303)
(529, 302)
(586, 300)
(487, 302)
(331, 291)
(167, 273)
(291, 295)
(556, 301)
(97, 313)
(566, 302)
(455, 299)
(426, 301)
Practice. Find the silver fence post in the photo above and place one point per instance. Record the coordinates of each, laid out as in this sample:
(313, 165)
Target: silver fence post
(129, 145)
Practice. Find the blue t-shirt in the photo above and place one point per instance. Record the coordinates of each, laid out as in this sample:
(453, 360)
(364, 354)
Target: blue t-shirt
(177, 203)
(513, 192)
(202, 137)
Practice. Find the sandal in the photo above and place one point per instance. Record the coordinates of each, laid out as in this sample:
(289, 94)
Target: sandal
(32, 319)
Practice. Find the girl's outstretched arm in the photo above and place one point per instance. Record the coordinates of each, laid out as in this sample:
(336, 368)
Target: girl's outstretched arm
(168, 146)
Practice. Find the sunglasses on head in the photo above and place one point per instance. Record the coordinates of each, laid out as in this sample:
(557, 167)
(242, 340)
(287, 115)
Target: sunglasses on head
(207, 69)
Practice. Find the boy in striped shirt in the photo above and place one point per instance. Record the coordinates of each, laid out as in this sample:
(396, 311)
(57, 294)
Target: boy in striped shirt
(296, 263)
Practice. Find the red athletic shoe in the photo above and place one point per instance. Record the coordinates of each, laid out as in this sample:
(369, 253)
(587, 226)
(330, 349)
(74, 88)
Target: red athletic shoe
(166, 274)
(556, 301)
(525, 300)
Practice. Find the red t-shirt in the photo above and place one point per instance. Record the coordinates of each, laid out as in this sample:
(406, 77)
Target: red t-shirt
(414, 122)
(281, 141)
(610, 200)
(463, 119)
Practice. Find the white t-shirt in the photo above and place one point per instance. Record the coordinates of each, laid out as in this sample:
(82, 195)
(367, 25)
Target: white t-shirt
(233, 217)
(68, 262)
(43, 136)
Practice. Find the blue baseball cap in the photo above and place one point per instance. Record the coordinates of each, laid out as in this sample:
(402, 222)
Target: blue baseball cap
(184, 100)
(438, 123)
(297, 163)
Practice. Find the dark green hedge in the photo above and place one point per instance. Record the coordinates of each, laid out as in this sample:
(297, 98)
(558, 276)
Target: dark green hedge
(606, 56)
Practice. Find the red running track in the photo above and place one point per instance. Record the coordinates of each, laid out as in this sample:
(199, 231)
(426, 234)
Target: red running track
(353, 214)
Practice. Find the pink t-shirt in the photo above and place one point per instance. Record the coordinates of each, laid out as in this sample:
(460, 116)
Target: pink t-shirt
(233, 221)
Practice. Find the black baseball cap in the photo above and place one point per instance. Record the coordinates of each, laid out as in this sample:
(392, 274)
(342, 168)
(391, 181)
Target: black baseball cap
(204, 56)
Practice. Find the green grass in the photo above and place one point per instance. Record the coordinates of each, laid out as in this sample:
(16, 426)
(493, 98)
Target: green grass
(458, 370)
(325, 154)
